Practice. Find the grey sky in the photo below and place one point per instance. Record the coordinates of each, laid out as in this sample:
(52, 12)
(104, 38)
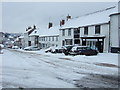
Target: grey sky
(16, 16)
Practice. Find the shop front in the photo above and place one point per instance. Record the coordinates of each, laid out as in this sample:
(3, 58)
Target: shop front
(94, 42)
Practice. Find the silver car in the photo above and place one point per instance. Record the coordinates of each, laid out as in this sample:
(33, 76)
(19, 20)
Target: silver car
(32, 48)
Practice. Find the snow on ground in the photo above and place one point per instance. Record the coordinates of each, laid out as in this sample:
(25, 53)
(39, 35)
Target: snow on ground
(111, 58)
(30, 69)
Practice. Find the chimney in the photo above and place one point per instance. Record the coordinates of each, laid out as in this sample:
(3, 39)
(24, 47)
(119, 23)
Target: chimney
(29, 27)
(50, 25)
(68, 17)
(26, 29)
(34, 27)
(62, 22)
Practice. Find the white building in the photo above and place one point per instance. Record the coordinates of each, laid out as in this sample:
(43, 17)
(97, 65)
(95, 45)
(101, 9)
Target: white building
(47, 37)
(91, 29)
(99, 30)
(2, 36)
(19, 41)
(27, 41)
(34, 38)
(115, 32)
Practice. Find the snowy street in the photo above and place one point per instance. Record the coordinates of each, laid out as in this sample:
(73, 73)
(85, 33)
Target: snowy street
(22, 69)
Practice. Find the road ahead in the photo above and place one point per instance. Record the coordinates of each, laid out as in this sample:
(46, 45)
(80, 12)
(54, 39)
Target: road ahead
(29, 70)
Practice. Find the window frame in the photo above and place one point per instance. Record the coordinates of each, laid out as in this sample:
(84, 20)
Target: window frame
(63, 32)
(85, 30)
(52, 38)
(69, 32)
(97, 29)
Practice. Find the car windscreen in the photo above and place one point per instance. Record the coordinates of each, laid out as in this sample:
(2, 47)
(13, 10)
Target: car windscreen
(69, 47)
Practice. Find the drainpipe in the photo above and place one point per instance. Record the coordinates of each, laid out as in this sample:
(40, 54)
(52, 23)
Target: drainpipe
(109, 49)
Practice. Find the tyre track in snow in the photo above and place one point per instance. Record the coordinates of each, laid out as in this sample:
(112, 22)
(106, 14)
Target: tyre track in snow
(68, 65)
(71, 65)
(34, 63)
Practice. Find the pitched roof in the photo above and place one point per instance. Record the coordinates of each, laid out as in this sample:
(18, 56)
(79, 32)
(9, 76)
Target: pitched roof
(53, 31)
(97, 17)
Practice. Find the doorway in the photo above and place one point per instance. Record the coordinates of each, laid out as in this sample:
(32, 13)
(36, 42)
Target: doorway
(29, 43)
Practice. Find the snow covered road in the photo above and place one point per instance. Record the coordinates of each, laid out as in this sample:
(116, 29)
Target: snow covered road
(32, 70)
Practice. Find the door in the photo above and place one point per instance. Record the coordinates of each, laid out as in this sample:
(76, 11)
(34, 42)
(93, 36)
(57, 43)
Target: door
(100, 46)
(83, 43)
(63, 43)
(29, 43)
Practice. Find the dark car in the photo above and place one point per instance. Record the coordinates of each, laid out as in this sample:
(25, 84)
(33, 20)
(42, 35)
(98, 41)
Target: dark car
(82, 50)
(67, 49)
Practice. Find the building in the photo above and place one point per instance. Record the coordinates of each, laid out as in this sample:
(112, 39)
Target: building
(34, 38)
(115, 32)
(27, 41)
(19, 41)
(44, 38)
(90, 30)
(98, 30)
(2, 36)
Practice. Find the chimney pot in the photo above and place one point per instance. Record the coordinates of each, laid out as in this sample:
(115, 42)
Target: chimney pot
(62, 22)
(68, 17)
(50, 25)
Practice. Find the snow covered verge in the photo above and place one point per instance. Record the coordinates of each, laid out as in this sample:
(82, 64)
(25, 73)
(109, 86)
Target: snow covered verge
(37, 69)
(110, 58)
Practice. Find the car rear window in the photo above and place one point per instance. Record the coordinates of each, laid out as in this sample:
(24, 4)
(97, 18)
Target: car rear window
(83, 48)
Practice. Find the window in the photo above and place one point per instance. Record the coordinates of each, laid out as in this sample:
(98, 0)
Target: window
(69, 32)
(63, 32)
(63, 43)
(29, 43)
(56, 38)
(44, 38)
(36, 40)
(97, 29)
(52, 44)
(49, 38)
(76, 32)
(85, 30)
(52, 38)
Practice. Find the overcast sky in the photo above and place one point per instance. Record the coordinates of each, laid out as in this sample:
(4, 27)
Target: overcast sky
(16, 16)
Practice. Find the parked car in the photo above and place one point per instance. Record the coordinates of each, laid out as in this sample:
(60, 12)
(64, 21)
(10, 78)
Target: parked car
(82, 50)
(49, 49)
(58, 50)
(15, 47)
(32, 48)
(67, 49)
(2, 46)
(9, 46)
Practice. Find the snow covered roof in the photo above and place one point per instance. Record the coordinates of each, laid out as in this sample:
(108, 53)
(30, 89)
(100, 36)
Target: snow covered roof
(35, 33)
(53, 31)
(21, 36)
(98, 17)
